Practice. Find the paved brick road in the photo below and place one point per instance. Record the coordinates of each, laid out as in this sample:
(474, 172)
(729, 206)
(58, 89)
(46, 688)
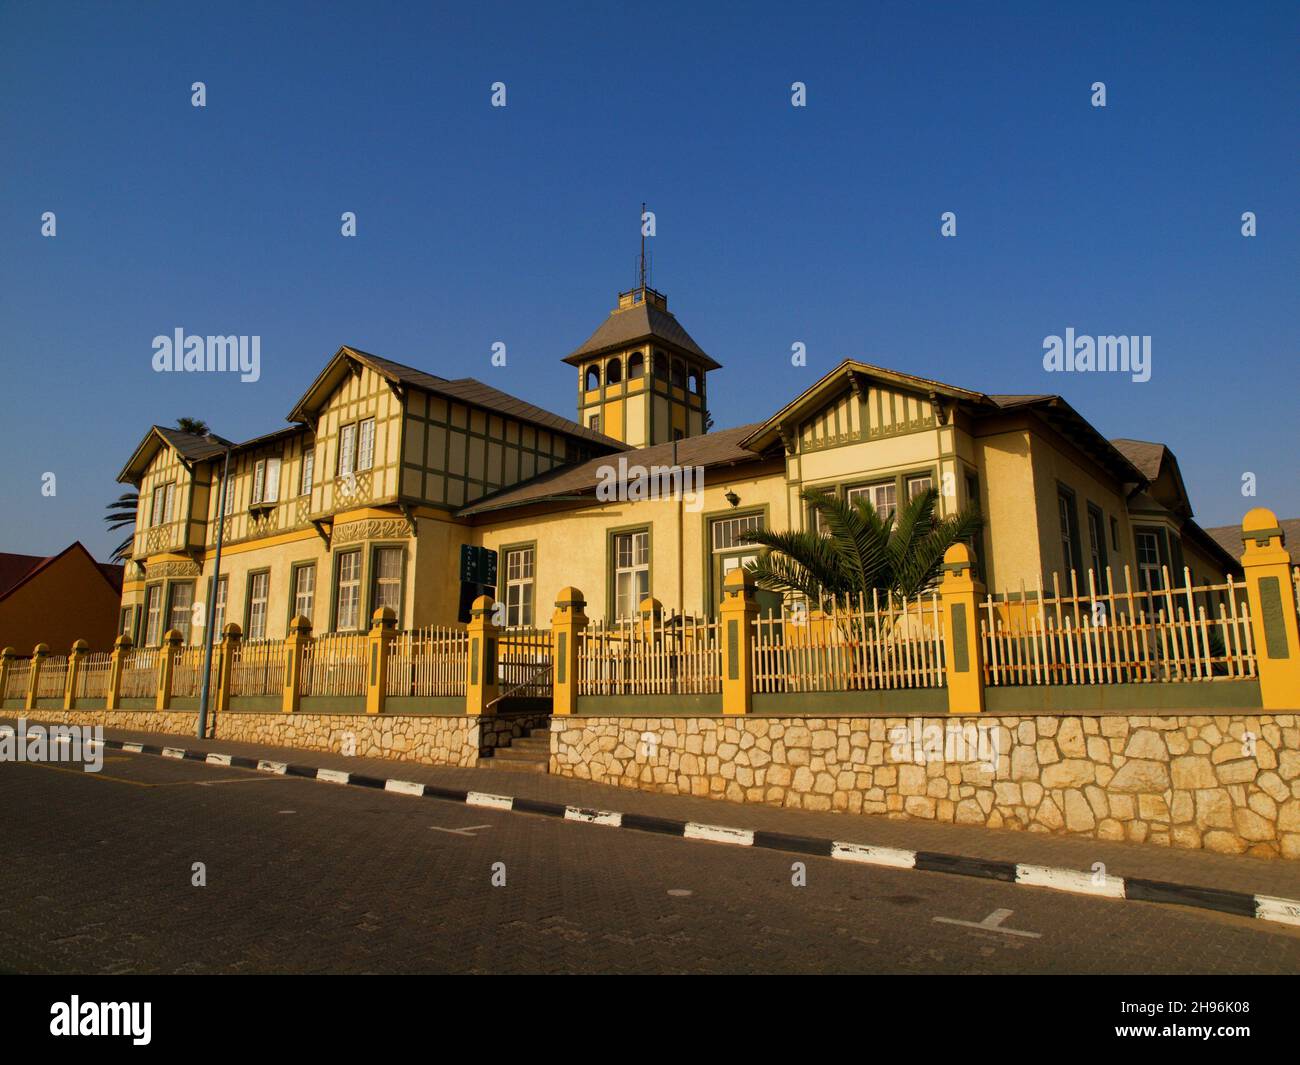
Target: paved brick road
(95, 875)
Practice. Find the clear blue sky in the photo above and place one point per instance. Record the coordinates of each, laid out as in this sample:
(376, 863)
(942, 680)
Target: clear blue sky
(775, 224)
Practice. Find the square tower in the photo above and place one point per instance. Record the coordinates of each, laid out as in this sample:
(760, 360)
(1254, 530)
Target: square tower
(641, 378)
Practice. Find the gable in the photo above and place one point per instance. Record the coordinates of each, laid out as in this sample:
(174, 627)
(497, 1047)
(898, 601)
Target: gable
(869, 412)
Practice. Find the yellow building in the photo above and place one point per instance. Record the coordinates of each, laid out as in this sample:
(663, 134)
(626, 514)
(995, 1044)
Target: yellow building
(385, 472)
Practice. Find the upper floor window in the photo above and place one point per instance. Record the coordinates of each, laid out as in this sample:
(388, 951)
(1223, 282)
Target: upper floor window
(917, 485)
(695, 382)
(266, 481)
(592, 378)
(347, 450)
(613, 371)
(161, 511)
(635, 366)
(366, 444)
(679, 374)
(659, 366)
(308, 471)
(593, 423)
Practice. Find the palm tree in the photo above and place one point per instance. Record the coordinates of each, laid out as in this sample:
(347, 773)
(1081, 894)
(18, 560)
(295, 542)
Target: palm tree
(122, 511)
(861, 552)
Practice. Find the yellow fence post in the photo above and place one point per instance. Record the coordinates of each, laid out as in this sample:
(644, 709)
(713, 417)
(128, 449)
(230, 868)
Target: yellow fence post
(7, 657)
(230, 637)
(568, 624)
(481, 685)
(383, 627)
(113, 694)
(1272, 610)
(75, 660)
(739, 609)
(34, 678)
(964, 656)
(171, 643)
(294, 646)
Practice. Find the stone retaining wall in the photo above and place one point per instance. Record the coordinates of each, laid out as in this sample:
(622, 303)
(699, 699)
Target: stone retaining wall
(426, 738)
(1228, 782)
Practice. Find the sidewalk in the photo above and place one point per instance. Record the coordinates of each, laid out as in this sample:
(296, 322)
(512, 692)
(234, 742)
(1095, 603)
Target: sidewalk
(1195, 868)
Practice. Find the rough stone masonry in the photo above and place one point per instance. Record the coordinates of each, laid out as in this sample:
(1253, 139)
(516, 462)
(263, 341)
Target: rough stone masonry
(1226, 783)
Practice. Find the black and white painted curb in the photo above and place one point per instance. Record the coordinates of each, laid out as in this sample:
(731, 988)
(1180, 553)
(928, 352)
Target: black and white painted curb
(1238, 903)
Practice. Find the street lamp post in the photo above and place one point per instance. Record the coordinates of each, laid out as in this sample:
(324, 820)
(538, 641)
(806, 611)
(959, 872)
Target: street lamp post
(208, 635)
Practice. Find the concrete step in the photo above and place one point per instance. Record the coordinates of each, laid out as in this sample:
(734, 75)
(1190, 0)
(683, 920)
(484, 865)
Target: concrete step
(516, 754)
(514, 765)
(530, 743)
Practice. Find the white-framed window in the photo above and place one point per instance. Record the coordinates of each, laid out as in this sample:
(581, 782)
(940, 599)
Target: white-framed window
(366, 444)
(219, 615)
(631, 572)
(1148, 560)
(918, 484)
(156, 506)
(347, 450)
(153, 615)
(519, 585)
(229, 507)
(259, 481)
(883, 497)
(182, 605)
(304, 591)
(347, 603)
(271, 493)
(308, 471)
(258, 588)
(387, 590)
(726, 532)
(169, 499)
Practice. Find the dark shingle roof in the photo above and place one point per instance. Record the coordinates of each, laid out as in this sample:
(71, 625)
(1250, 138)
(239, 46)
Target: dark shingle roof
(194, 448)
(641, 321)
(1146, 455)
(470, 390)
(712, 449)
